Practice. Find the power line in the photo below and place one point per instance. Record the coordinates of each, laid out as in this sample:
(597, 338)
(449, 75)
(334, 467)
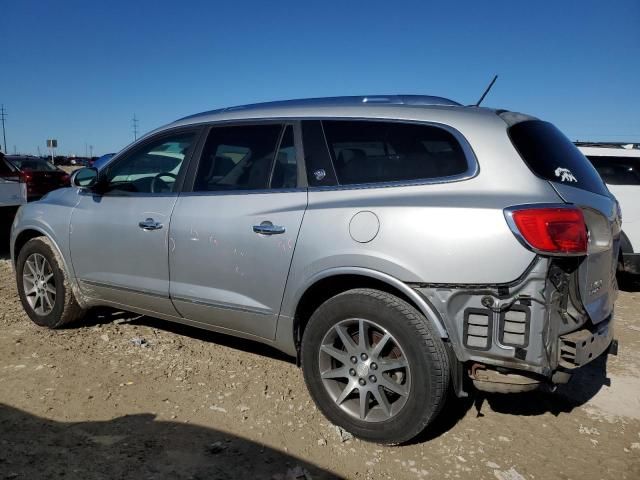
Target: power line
(135, 127)
(3, 115)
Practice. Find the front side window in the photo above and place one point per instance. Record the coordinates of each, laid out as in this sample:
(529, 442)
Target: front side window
(242, 157)
(374, 152)
(617, 170)
(153, 168)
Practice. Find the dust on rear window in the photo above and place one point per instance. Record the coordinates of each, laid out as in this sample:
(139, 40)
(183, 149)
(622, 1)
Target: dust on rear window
(552, 156)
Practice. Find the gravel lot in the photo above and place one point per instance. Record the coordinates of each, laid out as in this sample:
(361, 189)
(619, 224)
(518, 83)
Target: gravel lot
(133, 397)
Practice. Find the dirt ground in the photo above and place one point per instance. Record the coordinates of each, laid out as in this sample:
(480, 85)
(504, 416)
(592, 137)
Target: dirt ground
(133, 397)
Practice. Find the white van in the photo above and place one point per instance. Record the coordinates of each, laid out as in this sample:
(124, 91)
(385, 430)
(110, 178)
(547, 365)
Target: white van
(619, 167)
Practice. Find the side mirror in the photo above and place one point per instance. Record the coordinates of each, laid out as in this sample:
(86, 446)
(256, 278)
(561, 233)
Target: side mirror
(85, 177)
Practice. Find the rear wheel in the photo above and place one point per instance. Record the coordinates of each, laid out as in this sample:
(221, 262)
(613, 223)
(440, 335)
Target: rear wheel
(43, 285)
(374, 366)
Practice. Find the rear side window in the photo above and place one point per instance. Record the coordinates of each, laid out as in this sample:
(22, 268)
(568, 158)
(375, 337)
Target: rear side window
(552, 156)
(617, 170)
(241, 158)
(375, 152)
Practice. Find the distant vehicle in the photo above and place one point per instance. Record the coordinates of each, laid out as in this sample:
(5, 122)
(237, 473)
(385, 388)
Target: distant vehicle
(619, 167)
(396, 245)
(79, 161)
(13, 190)
(39, 175)
(103, 160)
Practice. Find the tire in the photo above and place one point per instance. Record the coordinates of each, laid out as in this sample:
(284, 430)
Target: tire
(62, 307)
(417, 392)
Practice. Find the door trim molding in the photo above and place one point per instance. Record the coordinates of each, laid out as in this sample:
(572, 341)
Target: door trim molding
(93, 283)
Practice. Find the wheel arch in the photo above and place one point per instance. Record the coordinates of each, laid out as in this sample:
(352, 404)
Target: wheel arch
(21, 238)
(331, 282)
(625, 243)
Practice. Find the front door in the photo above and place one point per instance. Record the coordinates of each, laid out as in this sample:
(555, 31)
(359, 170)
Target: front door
(119, 236)
(232, 237)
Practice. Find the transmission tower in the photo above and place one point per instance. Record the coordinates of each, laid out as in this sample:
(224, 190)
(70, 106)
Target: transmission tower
(3, 115)
(134, 122)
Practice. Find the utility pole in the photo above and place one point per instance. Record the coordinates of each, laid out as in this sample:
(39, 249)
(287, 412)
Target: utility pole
(135, 127)
(90, 151)
(3, 115)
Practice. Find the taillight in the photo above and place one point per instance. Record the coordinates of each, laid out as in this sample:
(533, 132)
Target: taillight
(25, 177)
(552, 230)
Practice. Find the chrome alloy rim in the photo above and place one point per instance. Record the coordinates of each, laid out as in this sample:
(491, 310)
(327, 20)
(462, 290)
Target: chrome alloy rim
(364, 370)
(39, 284)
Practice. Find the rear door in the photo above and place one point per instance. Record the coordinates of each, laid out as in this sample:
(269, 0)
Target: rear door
(551, 156)
(12, 191)
(233, 236)
(622, 176)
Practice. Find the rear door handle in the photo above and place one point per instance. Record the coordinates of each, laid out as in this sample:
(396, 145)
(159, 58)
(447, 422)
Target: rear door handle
(150, 224)
(268, 228)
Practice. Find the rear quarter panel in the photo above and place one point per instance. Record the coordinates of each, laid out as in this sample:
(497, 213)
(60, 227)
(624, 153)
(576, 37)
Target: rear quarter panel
(443, 233)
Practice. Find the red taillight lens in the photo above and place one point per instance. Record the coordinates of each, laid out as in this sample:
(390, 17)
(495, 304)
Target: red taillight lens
(25, 177)
(553, 230)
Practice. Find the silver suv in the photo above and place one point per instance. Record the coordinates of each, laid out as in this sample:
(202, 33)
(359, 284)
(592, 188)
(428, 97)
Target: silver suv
(397, 246)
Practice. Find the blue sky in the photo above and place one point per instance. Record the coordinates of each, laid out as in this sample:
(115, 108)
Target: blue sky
(78, 70)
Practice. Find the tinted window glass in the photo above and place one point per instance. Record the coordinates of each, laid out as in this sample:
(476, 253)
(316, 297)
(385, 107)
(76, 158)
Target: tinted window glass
(320, 171)
(618, 170)
(152, 169)
(5, 169)
(237, 158)
(285, 170)
(552, 156)
(27, 164)
(371, 152)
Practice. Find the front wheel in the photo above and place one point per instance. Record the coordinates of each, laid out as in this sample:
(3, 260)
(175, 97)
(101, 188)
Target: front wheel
(43, 286)
(374, 366)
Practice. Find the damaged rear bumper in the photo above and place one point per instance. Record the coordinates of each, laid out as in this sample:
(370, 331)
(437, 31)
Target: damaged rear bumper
(518, 337)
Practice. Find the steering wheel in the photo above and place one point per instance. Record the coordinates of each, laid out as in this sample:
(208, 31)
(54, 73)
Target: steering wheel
(160, 186)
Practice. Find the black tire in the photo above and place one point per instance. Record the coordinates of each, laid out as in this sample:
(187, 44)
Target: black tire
(421, 345)
(65, 307)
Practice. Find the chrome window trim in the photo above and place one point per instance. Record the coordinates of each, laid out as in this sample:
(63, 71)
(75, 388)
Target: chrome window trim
(473, 167)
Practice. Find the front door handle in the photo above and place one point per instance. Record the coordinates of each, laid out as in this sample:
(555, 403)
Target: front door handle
(268, 228)
(150, 224)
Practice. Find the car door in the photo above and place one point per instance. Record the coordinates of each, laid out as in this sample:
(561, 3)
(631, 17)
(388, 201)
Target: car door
(233, 235)
(119, 230)
(622, 176)
(13, 192)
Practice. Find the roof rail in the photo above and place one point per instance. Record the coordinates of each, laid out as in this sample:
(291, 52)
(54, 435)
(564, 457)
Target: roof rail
(339, 102)
(625, 145)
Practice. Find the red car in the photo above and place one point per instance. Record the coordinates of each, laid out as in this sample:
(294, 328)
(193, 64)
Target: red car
(40, 175)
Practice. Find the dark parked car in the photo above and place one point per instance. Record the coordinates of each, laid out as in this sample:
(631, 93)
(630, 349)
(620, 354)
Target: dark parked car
(40, 175)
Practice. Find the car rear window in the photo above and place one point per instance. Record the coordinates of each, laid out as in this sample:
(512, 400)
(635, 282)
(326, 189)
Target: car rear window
(33, 165)
(617, 170)
(377, 152)
(552, 156)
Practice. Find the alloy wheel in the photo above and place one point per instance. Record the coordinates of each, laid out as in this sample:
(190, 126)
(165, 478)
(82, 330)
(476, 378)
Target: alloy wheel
(364, 370)
(39, 284)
